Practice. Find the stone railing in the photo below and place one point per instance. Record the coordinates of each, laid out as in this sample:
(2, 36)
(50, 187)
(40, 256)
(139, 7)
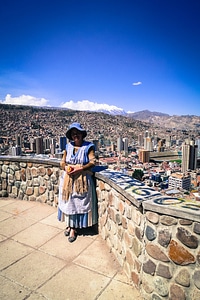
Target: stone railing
(30, 179)
(155, 238)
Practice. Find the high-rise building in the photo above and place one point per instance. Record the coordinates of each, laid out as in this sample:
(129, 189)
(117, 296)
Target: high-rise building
(160, 147)
(62, 143)
(33, 144)
(144, 156)
(189, 157)
(46, 142)
(52, 146)
(18, 140)
(148, 145)
(15, 151)
(39, 145)
(96, 144)
(125, 145)
(140, 140)
(197, 142)
(119, 144)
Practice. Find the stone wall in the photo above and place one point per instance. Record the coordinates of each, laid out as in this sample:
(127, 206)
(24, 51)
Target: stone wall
(155, 238)
(29, 179)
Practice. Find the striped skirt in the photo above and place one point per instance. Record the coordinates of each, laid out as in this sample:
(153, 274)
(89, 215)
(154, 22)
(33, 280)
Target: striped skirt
(80, 211)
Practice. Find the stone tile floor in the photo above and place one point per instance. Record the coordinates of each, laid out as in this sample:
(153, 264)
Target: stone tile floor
(37, 261)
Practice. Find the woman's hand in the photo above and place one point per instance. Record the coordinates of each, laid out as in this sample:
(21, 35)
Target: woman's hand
(73, 170)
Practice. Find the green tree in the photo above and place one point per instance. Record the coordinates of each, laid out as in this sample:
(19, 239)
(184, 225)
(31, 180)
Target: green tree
(138, 174)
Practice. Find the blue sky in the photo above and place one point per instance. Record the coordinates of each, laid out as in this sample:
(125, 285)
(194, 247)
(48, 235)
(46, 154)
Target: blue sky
(135, 55)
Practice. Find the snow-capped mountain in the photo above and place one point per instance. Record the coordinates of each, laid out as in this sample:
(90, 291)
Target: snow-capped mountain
(86, 105)
(112, 111)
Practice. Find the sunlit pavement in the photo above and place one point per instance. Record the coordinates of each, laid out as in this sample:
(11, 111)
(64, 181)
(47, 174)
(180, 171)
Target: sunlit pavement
(38, 262)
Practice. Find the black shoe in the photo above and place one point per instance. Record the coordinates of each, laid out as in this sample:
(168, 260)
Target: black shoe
(71, 239)
(67, 231)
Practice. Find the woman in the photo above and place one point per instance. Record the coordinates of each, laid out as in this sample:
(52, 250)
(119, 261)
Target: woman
(77, 198)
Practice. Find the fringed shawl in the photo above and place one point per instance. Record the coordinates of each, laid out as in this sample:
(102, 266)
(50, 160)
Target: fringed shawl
(74, 184)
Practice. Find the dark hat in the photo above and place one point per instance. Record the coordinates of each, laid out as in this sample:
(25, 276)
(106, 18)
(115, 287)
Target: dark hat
(78, 127)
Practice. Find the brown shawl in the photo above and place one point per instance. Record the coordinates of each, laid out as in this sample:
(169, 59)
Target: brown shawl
(74, 183)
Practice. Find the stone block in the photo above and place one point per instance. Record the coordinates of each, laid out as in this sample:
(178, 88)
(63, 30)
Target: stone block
(135, 278)
(150, 233)
(187, 238)
(152, 217)
(196, 278)
(183, 277)
(154, 251)
(29, 173)
(42, 190)
(34, 172)
(185, 222)
(128, 212)
(41, 171)
(23, 174)
(107, 187)
(147, 283)
(53, 179)
(23, 164)
(149, 267)
(180, 255)
(137, 247)
(101, 185)
(128, 239)
(15, 191)
(139, 233)
(111, 199)
(168, 220)
(36, 182)
(136, 216)
(164, 237)
(161, 286)
(29, 191)
(131, 228)
(177, 293)
(124, 222)
(121, 207)
(195, 294)
(163, 271)
(49, 171)
(196, 228)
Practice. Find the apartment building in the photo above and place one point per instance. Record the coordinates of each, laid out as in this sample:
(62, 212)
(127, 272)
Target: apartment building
(180, 181)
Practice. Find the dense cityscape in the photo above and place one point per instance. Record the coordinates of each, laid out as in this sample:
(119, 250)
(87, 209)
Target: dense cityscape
(165, 158)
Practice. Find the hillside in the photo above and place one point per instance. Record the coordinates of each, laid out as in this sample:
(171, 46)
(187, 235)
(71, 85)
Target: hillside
(186, 122)
(53, 122)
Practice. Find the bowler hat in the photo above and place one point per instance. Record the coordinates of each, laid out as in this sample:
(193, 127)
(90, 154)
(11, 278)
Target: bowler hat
(78, 127)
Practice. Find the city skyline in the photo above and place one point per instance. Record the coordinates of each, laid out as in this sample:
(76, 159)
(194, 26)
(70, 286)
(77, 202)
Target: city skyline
(81, 55)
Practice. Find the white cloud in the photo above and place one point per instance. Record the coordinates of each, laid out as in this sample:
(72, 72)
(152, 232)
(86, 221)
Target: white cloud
(88, 105)
(137, 83)
(84, 105)
(25, 100)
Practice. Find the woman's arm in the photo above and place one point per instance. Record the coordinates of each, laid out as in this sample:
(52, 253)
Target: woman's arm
(92, 160)
(90, 164)
(63, 161)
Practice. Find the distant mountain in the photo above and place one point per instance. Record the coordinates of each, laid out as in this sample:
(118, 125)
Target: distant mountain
(150, 118)
(143, 115)
(185, 122)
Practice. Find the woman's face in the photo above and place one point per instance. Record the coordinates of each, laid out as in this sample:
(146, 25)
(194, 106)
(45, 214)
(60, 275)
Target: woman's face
(77, 136)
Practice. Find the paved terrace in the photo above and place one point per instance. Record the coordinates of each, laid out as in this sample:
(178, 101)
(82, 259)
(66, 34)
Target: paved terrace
(37, 261)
